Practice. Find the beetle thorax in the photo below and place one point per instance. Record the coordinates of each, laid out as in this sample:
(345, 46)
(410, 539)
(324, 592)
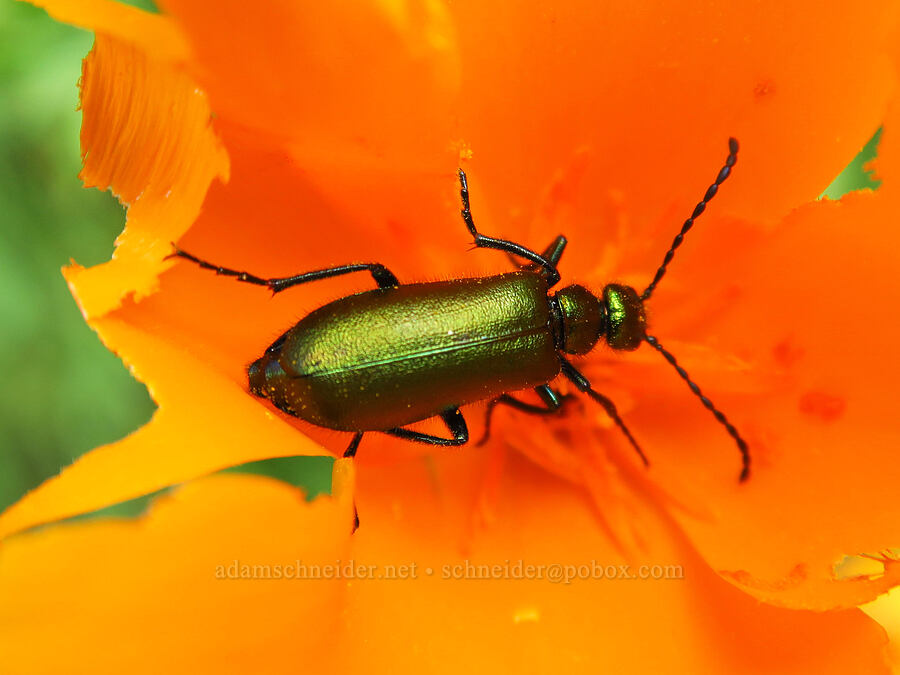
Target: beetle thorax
(583, 318)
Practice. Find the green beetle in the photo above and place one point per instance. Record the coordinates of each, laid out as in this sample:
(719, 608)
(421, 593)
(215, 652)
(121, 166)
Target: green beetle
(385, 358)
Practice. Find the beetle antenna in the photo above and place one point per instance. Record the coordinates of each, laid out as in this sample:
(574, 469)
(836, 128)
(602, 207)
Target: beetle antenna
(729, 427)
(711, 191)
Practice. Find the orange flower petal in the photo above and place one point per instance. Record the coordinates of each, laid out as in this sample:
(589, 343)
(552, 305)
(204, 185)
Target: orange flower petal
(335, 84)
(803, 309)
(886, 611)
(551, 105)
(823, 438)
(698, 624)
(151, 33)
(204, 423)
(144, 596)
(153, 595)
(147, 137)
(645, 96)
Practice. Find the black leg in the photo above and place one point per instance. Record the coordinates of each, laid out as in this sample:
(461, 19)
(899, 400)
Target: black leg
(551, 254)
(482, 241)
(455, 422)
(555, 249)
(351, 452)
(382, 275)
(552, 401)
(584, 385)
(354, 445)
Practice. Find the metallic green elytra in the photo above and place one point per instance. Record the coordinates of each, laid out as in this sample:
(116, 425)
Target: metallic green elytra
(389, 357)
(385, 358)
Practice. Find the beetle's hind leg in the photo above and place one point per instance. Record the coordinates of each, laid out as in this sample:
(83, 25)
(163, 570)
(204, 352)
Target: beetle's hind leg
(481, 241)
(552, 400)
(381, 274)
(455, 422)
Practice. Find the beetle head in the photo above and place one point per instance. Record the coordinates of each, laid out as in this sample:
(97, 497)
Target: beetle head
(626, 322)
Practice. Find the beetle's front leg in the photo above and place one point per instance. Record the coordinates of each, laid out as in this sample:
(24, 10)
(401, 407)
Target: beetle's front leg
(584, 386)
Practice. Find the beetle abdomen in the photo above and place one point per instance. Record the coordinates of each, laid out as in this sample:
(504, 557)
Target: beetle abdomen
(388, 357)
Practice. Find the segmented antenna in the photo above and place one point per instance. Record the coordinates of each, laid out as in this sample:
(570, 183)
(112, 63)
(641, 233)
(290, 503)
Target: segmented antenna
(729, 427)
(724, 172)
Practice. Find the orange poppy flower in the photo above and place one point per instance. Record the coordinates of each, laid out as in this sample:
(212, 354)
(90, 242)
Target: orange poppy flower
(279, 139)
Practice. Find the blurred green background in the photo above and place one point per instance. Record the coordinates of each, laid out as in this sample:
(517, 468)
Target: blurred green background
(64, 392)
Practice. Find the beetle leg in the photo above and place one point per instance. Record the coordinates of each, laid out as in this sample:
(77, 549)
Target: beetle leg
(351, 452)
(382, 275)
(553, 401)
(554, 251)
(455, 422)
(584, 385)
(354, 444)
(482, 241)
(552, 254)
